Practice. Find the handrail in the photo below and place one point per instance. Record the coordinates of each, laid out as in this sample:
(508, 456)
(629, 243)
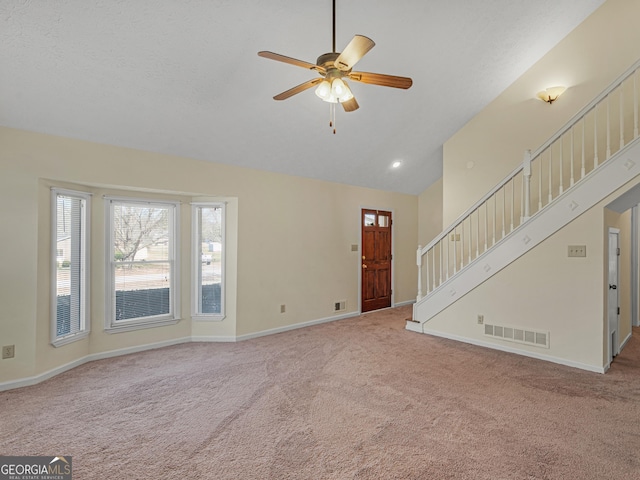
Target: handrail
(550, 170)
(559, 133)
(472, 209)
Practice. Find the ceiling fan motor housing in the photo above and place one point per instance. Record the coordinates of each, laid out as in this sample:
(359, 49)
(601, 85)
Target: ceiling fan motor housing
(326, 61)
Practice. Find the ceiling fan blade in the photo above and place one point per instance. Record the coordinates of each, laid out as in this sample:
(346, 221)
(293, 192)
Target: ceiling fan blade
(289, 60)
(350, 105)
(352, 53)
(297, 89)
(381, 79)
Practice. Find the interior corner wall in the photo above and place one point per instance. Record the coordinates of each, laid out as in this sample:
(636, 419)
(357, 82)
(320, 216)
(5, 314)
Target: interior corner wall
(532, 293)
(430, 213)
(493, 142)
(290, 240)
(546, 290)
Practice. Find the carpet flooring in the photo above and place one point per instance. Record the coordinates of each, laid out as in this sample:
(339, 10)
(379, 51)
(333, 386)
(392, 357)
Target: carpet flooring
(360, 398)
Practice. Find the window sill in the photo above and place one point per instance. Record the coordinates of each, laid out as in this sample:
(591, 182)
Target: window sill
(74, 337)
(131, 326)
(208, 318)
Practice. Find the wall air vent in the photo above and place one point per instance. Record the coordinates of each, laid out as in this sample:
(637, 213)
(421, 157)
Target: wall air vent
(527, 336)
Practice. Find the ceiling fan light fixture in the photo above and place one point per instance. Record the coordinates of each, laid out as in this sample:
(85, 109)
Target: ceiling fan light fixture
(324, 90)
(338, 88)
(346, 92)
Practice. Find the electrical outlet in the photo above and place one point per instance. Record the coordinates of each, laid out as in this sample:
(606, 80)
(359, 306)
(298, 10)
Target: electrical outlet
(283, 308)
(341, 305)
(480, 319)
(577, 251)
(8, 351)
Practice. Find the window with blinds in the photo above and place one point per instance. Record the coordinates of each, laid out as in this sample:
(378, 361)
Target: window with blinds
(208, 261)
(142, 262)
(70, 266)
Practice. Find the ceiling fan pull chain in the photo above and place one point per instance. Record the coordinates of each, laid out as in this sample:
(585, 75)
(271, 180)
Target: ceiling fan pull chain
(334, 117)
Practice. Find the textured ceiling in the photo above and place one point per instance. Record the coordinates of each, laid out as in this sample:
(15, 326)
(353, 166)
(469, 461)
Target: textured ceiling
(183, 77)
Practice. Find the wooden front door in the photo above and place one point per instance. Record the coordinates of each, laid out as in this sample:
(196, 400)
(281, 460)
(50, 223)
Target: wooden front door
(376, 259)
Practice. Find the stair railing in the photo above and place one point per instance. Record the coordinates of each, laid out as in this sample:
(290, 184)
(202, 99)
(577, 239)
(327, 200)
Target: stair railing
(583, 144)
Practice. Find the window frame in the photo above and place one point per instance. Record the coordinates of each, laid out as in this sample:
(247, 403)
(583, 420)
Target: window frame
(111, 324)
(85, 264)
(196, 263)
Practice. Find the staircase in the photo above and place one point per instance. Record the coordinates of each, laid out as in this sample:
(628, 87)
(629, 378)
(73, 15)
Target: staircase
(593, 155)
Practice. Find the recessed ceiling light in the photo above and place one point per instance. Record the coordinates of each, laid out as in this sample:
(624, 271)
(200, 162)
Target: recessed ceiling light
(396, 164)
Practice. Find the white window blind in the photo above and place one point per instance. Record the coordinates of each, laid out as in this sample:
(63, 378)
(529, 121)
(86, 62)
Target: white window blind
(70, 253)
(208, 260)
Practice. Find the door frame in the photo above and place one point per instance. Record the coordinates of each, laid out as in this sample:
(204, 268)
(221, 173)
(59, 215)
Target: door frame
(393, 255)
(613, 342)
(635, 277)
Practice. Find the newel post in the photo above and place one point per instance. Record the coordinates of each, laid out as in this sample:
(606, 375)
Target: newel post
(526, 172)
(419, 263)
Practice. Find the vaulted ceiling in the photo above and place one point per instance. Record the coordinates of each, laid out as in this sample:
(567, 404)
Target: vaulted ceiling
(183, 77)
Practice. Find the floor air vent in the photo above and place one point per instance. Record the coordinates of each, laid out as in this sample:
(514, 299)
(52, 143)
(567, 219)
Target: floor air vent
(518, 335)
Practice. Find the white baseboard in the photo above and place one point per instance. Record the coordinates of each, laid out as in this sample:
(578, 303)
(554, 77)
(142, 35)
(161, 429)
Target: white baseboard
(517, 351)
(414, 327)
(402, 304)
(626, 340)
(26, 382)
(295, 326)
(213, 339)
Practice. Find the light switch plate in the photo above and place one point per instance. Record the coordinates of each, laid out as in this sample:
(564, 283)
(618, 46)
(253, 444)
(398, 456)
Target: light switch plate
(577, 250)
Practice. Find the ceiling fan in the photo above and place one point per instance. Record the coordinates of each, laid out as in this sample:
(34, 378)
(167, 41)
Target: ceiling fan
(335, 68)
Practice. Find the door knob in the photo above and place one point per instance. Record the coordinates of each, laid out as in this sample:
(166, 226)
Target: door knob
(613, 287)
(364, 266)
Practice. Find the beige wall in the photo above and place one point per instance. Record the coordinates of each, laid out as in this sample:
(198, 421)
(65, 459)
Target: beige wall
(547, 290)
(586, 61)
(288, 242)
(430, 213)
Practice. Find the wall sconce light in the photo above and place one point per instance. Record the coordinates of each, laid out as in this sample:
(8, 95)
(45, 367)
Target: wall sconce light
(551, 94)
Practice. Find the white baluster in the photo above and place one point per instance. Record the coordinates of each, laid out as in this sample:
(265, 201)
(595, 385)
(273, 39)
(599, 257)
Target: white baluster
(513, 200)
(550, 175)
(582, 168)
(608, 128)
(462, 244)
(522, 200)
(526, 185)
(470, 236)
(504, 208)
(595, 137)
(621, 117)
(426, 277)
(478, 235)
(433, 267)
(561, 187)
(419, 262)
(486, 224)
(441, 262)
(455, 252)
(448, 255)
(571, 180)
(635, 105)
(494, 217)
(540, 182)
